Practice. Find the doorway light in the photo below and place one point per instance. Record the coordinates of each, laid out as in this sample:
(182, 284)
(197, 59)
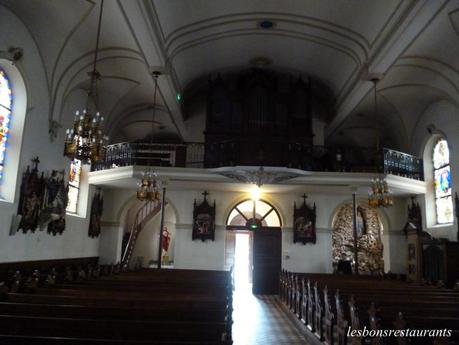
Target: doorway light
(255, 193)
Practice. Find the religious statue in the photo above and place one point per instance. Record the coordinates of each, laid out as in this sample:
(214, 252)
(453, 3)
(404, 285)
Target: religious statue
(361, 222)
(166, 240)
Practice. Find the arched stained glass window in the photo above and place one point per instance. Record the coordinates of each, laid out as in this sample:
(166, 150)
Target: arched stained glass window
(442, 183)
(74, 186)
(6, 104)
(242, 214)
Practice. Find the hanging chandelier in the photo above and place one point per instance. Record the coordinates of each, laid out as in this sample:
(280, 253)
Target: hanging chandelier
(379, 194)
(86, 140)
(148, 189)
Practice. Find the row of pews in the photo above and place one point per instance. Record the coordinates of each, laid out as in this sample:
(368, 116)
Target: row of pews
(95, 304)
(331, 306)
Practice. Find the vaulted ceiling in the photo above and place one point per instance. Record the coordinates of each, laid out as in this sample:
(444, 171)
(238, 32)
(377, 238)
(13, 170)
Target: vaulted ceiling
(415, 45)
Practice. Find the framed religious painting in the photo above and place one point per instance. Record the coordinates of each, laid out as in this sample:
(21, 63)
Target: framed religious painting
(414, 221)
(304, 223)
(97, 208)
(52, 214)
(31, 198)
(203, 220)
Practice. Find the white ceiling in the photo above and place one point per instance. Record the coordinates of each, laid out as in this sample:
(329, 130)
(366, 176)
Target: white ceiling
(334, 41)
(329, 39)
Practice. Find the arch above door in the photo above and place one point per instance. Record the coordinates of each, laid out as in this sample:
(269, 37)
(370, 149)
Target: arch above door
(255, 213)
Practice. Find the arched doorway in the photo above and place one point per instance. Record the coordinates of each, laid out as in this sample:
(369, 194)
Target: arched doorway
(253, 245)
(145, 252)
(369, 238)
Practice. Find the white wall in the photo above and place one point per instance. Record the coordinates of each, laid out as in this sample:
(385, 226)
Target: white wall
(445, 117)
(118, 207)
(197, 254)
(74, 242)
(394, 219)
(148, 240)
(311, 258)
(110, 244)
(210, 255)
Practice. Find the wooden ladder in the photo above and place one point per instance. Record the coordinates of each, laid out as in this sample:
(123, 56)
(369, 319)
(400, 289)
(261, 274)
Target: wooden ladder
(149, 210)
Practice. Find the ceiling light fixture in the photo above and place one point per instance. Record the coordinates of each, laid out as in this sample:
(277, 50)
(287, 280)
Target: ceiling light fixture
(379, 194)
(86, 141)
(148, 188)
(266, 24)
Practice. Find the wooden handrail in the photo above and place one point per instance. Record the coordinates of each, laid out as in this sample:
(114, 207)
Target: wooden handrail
(147, 211)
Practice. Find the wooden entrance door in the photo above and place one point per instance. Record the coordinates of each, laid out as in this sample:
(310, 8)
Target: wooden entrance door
(267, 251)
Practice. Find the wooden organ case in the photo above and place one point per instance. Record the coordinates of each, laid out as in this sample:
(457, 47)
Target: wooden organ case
(258, 117)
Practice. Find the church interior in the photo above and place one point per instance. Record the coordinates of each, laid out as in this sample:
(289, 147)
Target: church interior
(201, 172)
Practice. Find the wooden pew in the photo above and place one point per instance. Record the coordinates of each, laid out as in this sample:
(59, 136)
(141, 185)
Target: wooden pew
(329, 320)
(76, 311)
(37, 340)
(112, 329)
(183, 307)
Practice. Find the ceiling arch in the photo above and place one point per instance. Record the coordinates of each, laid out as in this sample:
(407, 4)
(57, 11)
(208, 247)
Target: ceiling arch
(336, 42)
(138, 114)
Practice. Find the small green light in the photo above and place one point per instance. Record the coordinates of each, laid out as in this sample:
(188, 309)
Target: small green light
(254, 226)
(178, 97)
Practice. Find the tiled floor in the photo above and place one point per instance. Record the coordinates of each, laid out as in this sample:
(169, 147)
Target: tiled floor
(259, 320)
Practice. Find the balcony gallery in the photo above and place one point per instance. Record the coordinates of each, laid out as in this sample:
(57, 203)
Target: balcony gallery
(330, 170)
(259, 119)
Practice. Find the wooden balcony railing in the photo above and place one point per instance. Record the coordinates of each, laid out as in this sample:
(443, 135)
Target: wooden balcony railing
(290, 155)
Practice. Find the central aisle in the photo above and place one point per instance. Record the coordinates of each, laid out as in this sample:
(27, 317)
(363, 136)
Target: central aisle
(259, 320)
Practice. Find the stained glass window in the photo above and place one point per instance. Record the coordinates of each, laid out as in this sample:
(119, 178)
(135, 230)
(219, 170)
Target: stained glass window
(6, 103)
(442, 183)
(74, 186)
